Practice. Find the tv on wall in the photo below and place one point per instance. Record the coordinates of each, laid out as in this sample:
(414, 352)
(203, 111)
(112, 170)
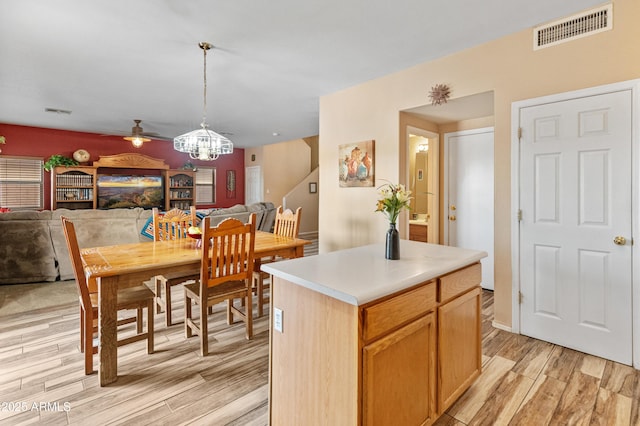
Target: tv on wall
(120, 191)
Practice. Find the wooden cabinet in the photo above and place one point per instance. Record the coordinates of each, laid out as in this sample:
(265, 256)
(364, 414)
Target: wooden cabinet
(399, 376)
(401, 359)
(180, 189)
(418, 232)
(73, 187)
(459, 346)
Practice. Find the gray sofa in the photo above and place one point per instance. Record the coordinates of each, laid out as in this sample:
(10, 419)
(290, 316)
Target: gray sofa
(33, 248)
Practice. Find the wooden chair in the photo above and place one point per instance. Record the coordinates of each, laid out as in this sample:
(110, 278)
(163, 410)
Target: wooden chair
(287, 223)
(136, 298)
(170, 226)
(225, 274)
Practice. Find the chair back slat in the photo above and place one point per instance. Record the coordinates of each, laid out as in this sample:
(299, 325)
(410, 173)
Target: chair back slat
(76, 261)
(173, 224)
(287, 222)
(227, 251)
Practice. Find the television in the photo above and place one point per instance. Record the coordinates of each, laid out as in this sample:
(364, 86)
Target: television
(126, 191)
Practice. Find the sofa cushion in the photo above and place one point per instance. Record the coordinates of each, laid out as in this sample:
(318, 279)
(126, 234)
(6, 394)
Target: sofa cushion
(26, 251)
(95, 228)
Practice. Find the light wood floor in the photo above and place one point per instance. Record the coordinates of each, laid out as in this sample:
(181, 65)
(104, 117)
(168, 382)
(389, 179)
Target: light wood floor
(524, 381)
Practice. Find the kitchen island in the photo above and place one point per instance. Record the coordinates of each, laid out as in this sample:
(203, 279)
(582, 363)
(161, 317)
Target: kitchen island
(358, 339)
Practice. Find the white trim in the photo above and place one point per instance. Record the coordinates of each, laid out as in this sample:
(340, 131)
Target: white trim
(634, 86)
(501, 326)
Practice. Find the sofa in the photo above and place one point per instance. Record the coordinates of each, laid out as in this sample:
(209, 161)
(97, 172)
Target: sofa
(33, 247)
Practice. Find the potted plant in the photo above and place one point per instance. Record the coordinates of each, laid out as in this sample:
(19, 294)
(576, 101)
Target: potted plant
(59, 160)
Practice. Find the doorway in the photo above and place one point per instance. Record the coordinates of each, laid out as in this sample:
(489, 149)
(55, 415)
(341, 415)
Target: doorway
(424, 180)
(468, 194)
(575, 171)
(253, 185)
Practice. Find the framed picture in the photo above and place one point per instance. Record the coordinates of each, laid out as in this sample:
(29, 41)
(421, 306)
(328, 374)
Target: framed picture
(313, 187)
(356, 164)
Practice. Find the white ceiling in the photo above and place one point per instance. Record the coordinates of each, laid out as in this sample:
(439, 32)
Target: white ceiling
(112, 61)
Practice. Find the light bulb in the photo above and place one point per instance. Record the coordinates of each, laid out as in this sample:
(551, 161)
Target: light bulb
(137, 142)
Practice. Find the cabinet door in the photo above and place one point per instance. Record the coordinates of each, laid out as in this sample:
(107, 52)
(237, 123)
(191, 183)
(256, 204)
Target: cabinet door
(459, 346)
(399, 376)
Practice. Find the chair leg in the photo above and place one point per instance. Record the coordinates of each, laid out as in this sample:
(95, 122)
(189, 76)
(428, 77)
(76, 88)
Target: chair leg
(249, 315)
(88, 343)
(229, 311)
(82, 329)
(139, 320)
(150, 327)
(187, 315)
(158, 290)
(260, 291)
(167, 303)
(204, 326)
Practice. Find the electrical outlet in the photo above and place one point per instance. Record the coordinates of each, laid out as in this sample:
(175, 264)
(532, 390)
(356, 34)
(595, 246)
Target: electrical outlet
(277, 319)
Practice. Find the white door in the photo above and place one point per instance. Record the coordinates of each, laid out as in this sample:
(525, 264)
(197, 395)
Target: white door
(469, 194)
(575, 201)
(253, 185)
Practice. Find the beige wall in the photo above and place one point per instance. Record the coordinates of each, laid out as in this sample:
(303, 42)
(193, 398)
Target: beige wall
(283, 166)
(299, 196)
(512, 70)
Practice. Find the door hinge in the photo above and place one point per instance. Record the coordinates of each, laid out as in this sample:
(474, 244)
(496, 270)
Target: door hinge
(519, 133)
(519, 215)
(520, 297)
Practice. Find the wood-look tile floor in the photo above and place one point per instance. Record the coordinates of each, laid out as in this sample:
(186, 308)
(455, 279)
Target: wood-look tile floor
(524, 381)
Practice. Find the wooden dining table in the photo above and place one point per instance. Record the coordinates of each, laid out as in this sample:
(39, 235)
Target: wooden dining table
(110, 268)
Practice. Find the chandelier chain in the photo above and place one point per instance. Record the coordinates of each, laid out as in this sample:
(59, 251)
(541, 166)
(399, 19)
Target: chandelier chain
(205, 46)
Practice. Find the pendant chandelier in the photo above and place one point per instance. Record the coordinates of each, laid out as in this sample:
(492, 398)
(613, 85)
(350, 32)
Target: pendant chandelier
(203, 144)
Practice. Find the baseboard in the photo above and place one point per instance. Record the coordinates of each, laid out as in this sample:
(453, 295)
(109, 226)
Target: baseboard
(501, 326)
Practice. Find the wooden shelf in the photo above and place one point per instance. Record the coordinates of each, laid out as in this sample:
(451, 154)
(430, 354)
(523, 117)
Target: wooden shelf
(73, 187)
(180, 189)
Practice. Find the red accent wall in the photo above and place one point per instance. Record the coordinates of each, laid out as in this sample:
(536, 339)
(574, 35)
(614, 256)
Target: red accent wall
(42, 142)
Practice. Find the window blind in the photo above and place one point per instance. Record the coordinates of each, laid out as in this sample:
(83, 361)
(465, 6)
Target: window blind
(206, 185)
(21, 185)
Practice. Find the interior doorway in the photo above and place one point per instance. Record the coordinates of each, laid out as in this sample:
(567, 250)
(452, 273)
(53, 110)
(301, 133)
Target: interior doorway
(253, 185)
(468, 194)
(424, 180)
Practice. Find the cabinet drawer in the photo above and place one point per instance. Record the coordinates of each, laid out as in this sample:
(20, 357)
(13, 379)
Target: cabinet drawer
(385, 316)
(460, 281)
(418, 232)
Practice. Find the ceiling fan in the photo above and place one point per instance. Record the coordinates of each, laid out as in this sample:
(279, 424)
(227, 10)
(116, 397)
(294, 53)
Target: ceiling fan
(137, 137)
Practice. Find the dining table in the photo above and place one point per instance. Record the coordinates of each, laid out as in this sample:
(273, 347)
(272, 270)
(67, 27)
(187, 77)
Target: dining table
(110, 268)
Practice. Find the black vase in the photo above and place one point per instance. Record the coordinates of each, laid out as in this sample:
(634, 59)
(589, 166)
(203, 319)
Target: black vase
(392, 249)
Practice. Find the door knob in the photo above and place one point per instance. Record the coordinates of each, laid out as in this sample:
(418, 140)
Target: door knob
(452, 217)
(620, 240)
(453, 207)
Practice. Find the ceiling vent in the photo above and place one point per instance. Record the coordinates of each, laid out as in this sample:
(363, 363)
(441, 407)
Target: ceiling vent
(581, 25)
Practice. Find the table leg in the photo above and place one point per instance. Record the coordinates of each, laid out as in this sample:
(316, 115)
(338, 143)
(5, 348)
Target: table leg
(107, 329)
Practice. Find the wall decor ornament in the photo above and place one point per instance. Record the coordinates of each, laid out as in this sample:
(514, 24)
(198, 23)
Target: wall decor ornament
(439, 94)
(356, 164)
(231, 184)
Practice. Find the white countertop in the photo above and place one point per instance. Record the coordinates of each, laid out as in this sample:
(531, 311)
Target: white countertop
(362, 274)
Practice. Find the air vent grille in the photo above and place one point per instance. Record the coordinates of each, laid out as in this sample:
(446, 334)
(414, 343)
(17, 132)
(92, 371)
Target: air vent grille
(58, 111)
(573, 27)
